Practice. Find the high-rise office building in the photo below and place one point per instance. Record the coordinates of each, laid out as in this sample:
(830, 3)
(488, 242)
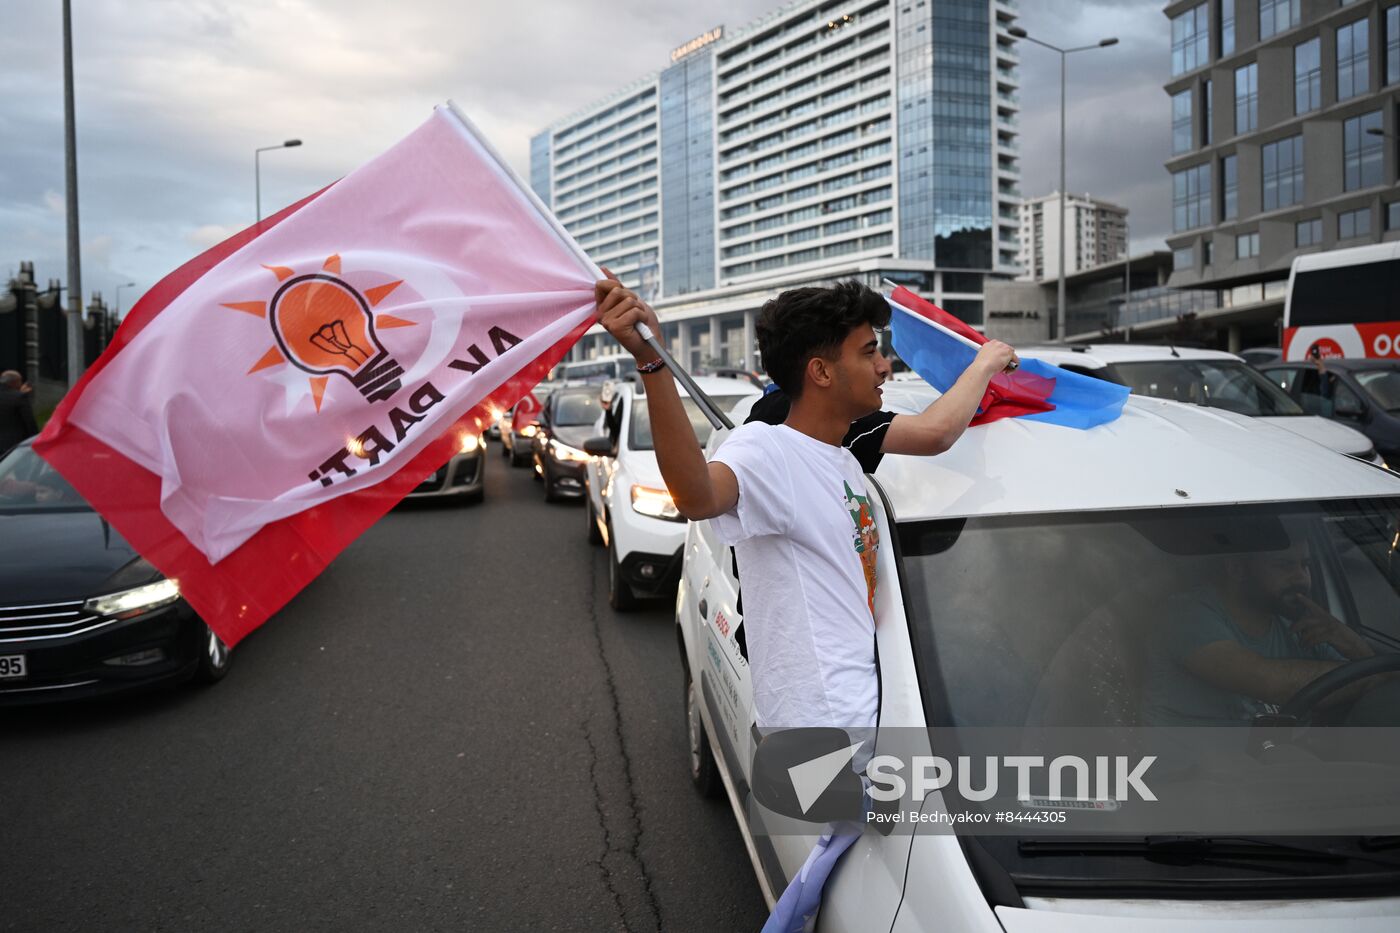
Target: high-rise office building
(864, 138)
(1273, 108)
(1096, 232)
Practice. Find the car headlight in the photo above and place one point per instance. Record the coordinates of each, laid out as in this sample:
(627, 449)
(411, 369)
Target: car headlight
(134, 601)
(566, 453)
(655, 502)
(529, 431)
(471, 442)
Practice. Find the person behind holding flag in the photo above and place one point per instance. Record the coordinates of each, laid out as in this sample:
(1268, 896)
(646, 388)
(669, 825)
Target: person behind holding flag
(791, 497)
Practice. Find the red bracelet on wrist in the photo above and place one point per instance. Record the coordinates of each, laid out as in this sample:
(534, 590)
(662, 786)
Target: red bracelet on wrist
(651, 367)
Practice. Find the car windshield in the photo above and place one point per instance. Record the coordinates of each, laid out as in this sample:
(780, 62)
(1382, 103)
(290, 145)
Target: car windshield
(1383, 385)
(1229, 384)
(640, 437)
(1061, 622)
(576, 409)
(29, 484)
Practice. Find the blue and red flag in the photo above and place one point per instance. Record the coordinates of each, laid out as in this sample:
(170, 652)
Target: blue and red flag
(939, 347)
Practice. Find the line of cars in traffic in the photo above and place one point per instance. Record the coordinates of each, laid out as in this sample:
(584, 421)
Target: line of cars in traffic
(83, 615)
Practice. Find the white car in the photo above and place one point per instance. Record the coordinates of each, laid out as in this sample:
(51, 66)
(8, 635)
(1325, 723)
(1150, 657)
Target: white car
(628, 508)
(1018, 576)
(1212, 378)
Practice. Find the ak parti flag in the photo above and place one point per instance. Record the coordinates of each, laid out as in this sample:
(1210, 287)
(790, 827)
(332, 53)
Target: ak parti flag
(939, 347)
(267, 402)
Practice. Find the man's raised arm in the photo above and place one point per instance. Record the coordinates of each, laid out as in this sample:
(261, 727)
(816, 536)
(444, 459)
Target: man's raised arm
(700, 490)
(938, 426)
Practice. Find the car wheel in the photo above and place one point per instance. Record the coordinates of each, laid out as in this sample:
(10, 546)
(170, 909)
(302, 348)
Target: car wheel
(620, 595)
(551, 490)
(704, 773)
(594, 535)
(214, 658)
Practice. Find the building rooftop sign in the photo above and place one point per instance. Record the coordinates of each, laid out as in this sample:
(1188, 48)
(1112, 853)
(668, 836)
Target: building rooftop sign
(699, 42)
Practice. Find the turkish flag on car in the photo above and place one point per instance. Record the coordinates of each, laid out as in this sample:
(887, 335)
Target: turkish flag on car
(267, 402)
(527, 411)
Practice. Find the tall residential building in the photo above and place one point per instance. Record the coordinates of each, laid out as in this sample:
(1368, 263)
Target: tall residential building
(1272, 107)
(1096, 233)
(865, 138)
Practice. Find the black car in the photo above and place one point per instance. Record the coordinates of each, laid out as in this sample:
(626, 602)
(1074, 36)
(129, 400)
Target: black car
(566, 421)
(82, 614)
(1361, 393)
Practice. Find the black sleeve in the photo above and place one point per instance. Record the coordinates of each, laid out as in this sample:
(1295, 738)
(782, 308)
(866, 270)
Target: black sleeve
(866, 437)
(26, 414)
(771, 408)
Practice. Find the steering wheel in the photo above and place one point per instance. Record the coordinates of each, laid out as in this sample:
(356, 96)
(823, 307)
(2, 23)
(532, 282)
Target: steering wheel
(1301, 705)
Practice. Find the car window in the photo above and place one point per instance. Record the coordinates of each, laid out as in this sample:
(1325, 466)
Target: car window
(576, 409)
(1229, 384)
(1318, 392)
(640, 436)
(1383, 386)
(1084, 620)
(28, 483)
(1284, 378)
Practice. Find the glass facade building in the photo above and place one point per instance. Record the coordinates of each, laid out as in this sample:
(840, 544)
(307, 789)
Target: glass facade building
(804, 146)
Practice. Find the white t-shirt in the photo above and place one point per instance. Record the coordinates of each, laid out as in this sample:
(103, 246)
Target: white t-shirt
(806, 541)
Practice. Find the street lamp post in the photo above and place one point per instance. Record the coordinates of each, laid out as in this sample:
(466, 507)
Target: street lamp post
(1020, 33)
(257, 170)
(70, 159)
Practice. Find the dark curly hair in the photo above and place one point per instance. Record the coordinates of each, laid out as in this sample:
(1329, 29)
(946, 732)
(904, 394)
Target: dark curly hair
(803, 323)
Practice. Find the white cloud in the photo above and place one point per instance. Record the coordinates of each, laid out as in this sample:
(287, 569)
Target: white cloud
(202, 238)
(173, 96)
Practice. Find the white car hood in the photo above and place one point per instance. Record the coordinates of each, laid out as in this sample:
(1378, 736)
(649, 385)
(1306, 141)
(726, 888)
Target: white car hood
(1065, 915)
(642, 469)
(1326, 432)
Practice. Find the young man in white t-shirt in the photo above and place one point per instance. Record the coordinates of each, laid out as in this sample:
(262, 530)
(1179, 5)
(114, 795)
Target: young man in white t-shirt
(791, 499)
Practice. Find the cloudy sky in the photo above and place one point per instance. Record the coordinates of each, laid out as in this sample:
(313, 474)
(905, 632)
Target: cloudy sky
(173, 96)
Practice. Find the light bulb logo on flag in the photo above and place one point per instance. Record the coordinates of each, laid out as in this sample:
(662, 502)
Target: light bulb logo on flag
(324, 326)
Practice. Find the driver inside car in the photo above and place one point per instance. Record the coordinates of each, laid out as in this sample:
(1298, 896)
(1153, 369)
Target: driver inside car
(1242, 647)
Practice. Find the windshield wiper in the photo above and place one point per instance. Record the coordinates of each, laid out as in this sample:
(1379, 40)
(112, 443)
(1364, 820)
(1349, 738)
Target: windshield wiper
(1185, 850)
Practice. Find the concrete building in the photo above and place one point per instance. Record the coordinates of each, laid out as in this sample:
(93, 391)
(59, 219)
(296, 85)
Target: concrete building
(1118, 301)
(869, 137)
(1096, 231)
(1272, 104)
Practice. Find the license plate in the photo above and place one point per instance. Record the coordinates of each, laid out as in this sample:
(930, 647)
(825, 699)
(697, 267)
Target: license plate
(12, 667)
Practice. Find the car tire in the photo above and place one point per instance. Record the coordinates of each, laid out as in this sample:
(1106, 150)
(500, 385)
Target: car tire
(620, 595)
(214, 658)
(704, 773)
(551, 491)
(595, 536)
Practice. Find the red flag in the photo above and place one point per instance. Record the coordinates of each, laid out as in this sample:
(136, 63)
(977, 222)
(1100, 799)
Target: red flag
(238, 573)
(1008, 395)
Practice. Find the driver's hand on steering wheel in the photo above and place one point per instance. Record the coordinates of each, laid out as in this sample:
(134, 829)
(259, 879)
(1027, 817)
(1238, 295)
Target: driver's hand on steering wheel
(1316, 626)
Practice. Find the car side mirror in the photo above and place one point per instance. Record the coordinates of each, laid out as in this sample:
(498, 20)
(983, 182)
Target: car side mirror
(599, 447)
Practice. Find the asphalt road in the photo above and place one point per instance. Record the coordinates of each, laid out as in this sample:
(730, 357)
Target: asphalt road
(449, 729)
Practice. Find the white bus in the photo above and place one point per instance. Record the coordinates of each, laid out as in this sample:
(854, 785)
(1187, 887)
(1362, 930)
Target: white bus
(1345, 302)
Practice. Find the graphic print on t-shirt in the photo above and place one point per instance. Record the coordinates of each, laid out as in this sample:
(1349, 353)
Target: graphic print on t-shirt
(865, 538)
